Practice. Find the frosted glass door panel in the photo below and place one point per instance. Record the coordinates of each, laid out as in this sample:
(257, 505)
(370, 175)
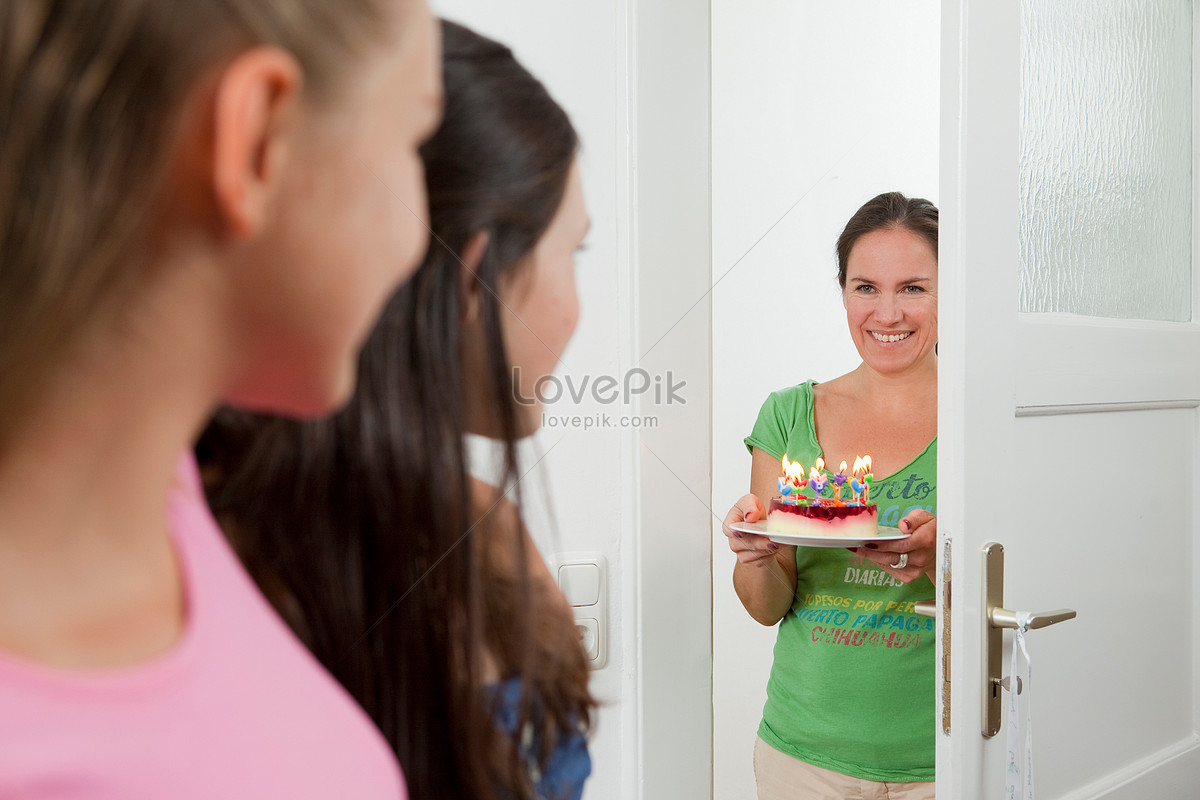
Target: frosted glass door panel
(1106, 158)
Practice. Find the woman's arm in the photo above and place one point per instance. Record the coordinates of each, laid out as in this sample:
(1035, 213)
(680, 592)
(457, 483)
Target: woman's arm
(764, 576)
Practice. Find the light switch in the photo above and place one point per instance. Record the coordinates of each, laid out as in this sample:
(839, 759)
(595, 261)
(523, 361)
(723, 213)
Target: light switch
(582, 576)
(580, 583)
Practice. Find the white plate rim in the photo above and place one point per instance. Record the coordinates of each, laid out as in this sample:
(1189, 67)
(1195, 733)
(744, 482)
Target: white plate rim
(886, 534)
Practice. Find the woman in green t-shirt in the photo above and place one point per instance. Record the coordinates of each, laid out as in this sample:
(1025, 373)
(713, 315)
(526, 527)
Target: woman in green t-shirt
(850, 701)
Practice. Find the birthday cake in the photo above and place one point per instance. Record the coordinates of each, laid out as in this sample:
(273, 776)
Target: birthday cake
(825, 513)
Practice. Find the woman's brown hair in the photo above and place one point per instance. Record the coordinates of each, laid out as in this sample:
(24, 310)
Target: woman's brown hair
(92, 95)
(361, 528)
(884, 211)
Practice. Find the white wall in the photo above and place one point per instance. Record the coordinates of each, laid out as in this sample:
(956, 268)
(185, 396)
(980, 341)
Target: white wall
(633, 75)
(817, 107)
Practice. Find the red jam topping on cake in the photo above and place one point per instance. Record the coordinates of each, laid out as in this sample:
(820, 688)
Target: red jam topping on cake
(850, 522)
(826, 513)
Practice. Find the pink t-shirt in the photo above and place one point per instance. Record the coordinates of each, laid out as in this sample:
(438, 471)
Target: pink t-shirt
(238, 708)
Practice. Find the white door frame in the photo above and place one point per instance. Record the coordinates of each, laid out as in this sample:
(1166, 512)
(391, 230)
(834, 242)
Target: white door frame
(671, 251)
(976, 377)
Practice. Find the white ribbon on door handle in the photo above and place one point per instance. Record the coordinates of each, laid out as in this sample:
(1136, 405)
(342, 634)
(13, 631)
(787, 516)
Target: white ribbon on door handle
(1019, 765)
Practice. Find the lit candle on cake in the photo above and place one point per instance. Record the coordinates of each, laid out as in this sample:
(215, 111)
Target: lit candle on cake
(817, 480)
(860, 483)
(839, 480)
(792, 481)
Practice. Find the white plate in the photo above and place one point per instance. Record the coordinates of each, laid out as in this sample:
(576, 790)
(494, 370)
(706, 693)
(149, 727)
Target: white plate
(886, 534)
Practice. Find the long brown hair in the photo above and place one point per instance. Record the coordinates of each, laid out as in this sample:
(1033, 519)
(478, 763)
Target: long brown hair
(359, 528)
(91, 99)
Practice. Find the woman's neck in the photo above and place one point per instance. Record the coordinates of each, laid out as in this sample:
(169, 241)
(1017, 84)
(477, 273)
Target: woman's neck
(911, 388)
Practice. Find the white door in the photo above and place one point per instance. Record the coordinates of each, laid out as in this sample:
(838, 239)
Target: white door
(1070, 387)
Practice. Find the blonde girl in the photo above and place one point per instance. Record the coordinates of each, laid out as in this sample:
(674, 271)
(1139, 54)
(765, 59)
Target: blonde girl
(199, 202)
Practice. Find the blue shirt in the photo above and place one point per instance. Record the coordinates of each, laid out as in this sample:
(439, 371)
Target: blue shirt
(568, 765)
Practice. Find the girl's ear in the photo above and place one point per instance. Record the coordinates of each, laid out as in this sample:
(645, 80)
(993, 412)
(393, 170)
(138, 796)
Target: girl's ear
(255, 107)
(469, 285)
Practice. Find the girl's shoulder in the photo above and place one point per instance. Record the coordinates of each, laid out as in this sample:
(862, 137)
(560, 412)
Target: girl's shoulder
(492, 505)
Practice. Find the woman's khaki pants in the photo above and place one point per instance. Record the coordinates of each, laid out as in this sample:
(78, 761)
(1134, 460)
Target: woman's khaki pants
(781, 777)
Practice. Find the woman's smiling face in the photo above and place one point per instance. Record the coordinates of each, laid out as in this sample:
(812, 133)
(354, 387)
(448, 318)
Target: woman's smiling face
(891, 299)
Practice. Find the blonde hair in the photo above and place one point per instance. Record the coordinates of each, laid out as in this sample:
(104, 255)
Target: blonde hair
(91, 99)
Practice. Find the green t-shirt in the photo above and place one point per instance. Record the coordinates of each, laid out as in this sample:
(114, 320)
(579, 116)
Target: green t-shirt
(852, 682)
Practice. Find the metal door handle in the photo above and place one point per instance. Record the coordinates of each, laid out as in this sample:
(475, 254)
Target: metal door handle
(997, 618)
(1003, 618)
